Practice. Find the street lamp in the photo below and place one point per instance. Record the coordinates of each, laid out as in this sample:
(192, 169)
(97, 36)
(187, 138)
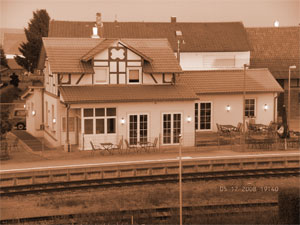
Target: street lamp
(244, 98)
(289, 94)
(180, 181)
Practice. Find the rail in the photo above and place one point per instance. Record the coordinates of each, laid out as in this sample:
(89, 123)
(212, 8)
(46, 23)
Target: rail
(192, 167)
(148, 214)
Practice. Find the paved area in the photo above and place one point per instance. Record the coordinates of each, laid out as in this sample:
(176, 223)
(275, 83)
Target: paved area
(24, 157)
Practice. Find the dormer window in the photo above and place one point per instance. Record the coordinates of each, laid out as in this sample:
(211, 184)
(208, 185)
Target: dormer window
(134, 75)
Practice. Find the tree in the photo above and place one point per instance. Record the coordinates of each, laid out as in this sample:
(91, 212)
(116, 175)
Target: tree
(3, 60)
(37, 28)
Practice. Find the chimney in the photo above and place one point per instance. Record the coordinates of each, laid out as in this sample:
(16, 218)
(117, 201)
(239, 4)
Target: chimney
(97, 27)
(173, 19)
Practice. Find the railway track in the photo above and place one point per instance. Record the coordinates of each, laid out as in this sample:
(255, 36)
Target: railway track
(35, 181)
(147, 215)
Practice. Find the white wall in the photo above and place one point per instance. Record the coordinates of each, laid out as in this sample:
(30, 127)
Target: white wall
(208, 60)
(235, 101)
(34, 122)
(154, 110)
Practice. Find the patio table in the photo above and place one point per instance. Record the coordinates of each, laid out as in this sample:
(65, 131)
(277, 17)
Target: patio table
(107, 146)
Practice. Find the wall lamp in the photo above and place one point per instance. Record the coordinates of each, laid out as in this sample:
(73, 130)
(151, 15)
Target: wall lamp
(123, 121)
(228, 108)
(266, 107)
(54, 120)
(33, 112)
(189, 119)
(24, 106)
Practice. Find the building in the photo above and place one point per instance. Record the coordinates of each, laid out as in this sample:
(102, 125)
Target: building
(123, 81)
(278, 48)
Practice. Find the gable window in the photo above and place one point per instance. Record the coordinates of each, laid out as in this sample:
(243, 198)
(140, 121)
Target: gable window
(100, 75)
(250, 107)
(134, 75)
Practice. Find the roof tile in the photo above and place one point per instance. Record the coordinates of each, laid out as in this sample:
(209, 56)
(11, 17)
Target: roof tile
(125, 93)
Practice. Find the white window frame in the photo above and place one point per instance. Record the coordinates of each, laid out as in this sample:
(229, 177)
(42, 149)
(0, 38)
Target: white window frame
(255, 102)
(94, 117)
(211, 116)
(138, 123)
(172, 126)
(134, 68)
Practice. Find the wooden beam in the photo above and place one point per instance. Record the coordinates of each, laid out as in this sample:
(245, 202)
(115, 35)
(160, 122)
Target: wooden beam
(81, 76)
(153, 78)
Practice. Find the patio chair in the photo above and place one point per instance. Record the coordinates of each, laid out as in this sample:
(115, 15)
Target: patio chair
(95, 148)
(130, 147)
(153, 145)
(117, 147)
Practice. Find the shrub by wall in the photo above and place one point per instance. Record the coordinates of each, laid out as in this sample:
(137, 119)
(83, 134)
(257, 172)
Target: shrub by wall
(288, 205)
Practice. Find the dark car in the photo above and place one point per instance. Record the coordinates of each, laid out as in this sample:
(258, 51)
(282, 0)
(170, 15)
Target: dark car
(18, 118)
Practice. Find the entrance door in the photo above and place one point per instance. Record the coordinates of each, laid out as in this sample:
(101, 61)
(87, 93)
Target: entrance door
(138, 128)
(171, 128)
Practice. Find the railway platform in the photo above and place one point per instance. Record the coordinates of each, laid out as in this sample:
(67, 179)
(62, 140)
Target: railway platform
(23, 157)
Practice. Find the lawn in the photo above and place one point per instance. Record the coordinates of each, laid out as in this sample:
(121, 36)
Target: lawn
(145, 196)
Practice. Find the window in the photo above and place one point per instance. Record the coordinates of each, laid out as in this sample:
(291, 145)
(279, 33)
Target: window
(134, 75)
(205, 116)
(71, 124)
(196, 115)
(100, 75)
(250, 107)
(46, 113)
(171, 128)
(103, 119)
(138, 128)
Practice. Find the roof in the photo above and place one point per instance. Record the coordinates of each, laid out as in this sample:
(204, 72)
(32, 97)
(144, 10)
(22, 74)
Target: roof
(226, 81)
(198, 37)
(13, 65)
(125, 93)
(275, 48)
(12, 42)
(71, 55)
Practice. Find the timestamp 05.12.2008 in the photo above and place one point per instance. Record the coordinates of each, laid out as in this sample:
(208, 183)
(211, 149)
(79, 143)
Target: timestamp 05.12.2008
(248, 188)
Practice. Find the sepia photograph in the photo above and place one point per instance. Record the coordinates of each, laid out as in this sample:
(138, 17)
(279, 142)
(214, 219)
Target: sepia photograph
(149, 112)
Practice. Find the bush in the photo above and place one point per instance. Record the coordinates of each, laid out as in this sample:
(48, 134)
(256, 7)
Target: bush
(288, 205)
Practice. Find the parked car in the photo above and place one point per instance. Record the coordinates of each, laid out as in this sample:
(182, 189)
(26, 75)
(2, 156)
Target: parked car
(18, 119)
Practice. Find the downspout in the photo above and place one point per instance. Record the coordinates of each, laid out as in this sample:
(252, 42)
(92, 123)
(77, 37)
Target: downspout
(67, 136)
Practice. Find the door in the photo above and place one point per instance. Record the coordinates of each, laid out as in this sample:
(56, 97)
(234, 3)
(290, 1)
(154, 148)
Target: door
(171, 128)
(138, 128)
(203, 115)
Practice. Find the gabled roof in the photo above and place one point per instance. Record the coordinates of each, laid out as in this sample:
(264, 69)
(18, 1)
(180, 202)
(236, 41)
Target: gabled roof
(125, 93)
(275, 48)
(64, 54)
(71, 55)
(217, 81)
(12, 42)
(198, 37)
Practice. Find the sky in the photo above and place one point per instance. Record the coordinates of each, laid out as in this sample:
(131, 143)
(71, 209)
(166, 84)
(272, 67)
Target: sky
(253, 13)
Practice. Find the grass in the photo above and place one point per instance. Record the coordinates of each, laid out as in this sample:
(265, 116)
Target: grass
(145, 196)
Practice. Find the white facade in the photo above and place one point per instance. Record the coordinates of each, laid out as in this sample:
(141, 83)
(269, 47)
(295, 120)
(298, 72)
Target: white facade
(34, 111)
(228, 109)
(154, 112)
(214, 60)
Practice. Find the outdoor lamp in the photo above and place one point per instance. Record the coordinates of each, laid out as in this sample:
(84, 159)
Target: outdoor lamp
(33, 112)
(189, 119)
(24, 106)
(266, 107)
(276, 23)
(228, 108)
(95, 31)
(122, 121)
(54, 120)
